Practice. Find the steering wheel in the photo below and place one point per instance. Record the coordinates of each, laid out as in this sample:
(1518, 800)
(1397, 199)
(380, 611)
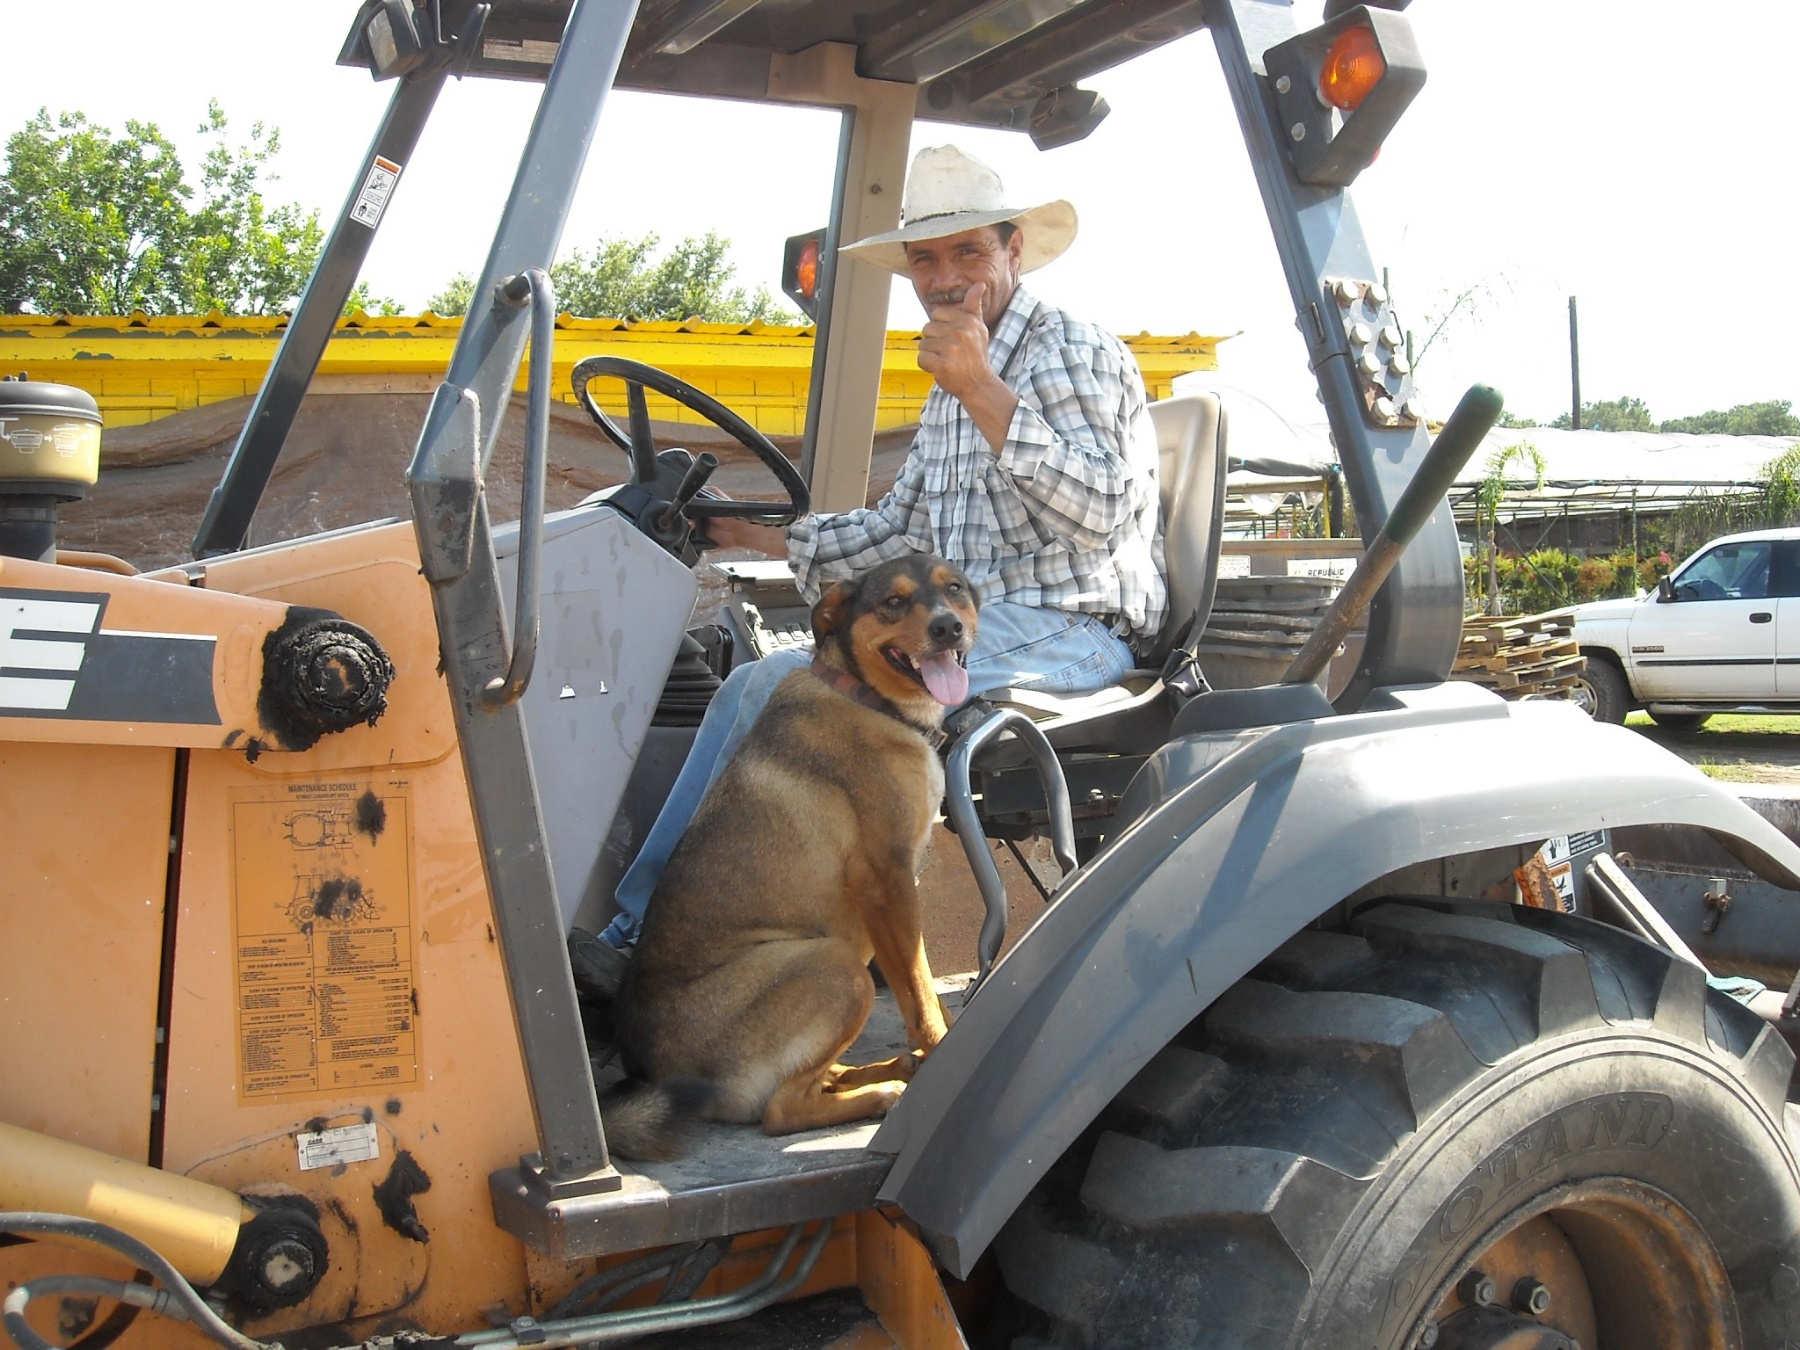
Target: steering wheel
(640, 445)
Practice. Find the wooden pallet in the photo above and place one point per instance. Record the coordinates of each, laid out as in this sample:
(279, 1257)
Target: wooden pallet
(1489, 636)
(1520, 656)
(1517, 658)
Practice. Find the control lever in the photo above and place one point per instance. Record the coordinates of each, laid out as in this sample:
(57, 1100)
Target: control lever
(1474, 414)
(691, 483)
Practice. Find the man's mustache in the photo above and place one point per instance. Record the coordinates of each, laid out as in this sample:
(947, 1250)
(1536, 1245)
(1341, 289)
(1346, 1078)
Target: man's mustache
(936, 298)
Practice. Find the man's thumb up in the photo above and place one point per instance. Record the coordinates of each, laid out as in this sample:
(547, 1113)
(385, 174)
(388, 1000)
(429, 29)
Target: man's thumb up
(972, 298)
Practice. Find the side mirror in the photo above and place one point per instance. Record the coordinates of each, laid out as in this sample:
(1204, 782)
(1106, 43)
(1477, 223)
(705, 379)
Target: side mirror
(1665, 591)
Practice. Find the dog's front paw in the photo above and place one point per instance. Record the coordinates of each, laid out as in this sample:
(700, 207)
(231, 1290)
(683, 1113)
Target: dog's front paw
(899, 1069)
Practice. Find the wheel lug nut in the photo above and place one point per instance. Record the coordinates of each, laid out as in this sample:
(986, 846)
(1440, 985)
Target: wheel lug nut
(1477, 1289)
(1531, 1296)
(1427, 1337)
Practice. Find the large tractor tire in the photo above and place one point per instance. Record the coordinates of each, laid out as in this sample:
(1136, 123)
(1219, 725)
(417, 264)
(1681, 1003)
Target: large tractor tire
(1455, 1126)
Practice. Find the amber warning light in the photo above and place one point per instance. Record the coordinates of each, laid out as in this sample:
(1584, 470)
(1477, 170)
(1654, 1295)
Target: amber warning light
(800, 265)
(1340, 88)
(1352, 67)
(806, 271)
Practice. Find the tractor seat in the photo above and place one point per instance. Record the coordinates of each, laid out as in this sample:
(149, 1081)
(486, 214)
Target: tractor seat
(1132, 715)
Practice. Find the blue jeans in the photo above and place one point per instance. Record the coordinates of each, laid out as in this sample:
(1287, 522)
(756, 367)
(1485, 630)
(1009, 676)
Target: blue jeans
(1015, 645)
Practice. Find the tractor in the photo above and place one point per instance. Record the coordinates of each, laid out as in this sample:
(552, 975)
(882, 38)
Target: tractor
(1341, 1026)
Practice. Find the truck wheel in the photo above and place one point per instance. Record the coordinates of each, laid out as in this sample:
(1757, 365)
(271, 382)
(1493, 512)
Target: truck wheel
(1456, 1125)
(1601, 693)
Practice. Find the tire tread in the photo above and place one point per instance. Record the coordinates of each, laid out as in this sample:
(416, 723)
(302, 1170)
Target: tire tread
(1227, 1168)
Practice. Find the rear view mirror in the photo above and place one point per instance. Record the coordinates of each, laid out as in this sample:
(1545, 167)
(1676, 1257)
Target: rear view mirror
(1665, 591)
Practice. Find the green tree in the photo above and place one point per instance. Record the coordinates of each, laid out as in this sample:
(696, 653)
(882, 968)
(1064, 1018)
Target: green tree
(361, 297)
(456, 296)
(1488, 498)
(1769, 418)
(1619, 414)
(90, 223)
(624, 279)
(96, 223)
(1781, 488)
(1774, 504)
(610, 280)
(243, 256)
(621, 278)
(694, 281)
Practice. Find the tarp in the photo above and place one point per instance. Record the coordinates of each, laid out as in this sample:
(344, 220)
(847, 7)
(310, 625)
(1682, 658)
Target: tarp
(1276, 454)
(1617, 470)
(1275, 449)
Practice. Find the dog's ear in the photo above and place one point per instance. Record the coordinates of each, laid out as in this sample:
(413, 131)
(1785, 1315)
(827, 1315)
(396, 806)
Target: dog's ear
(833, 610)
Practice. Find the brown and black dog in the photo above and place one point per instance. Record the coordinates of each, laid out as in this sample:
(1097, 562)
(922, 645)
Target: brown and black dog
(751, 979)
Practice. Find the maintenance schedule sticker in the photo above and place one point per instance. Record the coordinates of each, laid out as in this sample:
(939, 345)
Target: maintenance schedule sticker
(325, 939)
(377, 189)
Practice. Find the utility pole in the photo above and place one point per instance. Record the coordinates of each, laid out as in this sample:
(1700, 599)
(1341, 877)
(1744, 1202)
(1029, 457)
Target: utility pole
(1574, 370)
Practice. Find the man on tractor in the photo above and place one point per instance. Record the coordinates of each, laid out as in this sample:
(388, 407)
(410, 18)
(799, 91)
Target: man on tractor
(1034, 470)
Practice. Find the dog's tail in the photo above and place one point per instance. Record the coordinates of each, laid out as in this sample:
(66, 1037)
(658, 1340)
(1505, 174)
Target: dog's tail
(651, 1122)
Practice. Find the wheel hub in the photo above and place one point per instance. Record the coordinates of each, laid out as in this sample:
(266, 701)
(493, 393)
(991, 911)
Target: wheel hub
(1608, 1253)
(1497, 1329)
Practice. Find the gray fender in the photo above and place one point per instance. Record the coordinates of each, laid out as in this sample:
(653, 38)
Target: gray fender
(1248, 837)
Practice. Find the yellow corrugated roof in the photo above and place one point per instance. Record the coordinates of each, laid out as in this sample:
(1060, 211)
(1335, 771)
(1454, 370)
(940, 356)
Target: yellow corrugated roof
(406, 325)
(140, 367)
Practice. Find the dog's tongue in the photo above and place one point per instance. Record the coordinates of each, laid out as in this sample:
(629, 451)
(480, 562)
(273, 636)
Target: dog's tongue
(946, 679)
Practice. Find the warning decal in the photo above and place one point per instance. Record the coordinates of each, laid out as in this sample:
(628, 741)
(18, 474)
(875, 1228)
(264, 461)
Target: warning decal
(377, 188)
(322, 898)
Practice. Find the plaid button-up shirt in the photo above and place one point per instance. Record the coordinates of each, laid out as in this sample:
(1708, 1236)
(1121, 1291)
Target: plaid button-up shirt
(1066, 516)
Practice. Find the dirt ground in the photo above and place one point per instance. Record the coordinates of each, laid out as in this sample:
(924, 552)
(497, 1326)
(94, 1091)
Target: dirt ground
(1732, 753)
(344, 463)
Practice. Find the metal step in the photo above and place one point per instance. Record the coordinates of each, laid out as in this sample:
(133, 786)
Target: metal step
(731, 1179)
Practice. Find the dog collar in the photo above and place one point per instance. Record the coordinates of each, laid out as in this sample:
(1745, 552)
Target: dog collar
(851, 687)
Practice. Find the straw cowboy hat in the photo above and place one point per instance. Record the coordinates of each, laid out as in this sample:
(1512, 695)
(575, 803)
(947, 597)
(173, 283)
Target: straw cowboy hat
(948, 192)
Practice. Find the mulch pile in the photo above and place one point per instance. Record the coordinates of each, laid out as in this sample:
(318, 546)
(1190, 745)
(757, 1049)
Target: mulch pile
(344, 463)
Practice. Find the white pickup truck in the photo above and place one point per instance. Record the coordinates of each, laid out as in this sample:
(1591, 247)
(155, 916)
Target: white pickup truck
(1721, 633)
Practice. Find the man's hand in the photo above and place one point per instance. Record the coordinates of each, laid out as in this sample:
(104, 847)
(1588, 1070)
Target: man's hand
(953, 344)
(953, 351)
(736, 532)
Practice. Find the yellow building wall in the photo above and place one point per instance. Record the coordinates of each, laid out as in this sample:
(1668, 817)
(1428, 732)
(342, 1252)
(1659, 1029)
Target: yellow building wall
(140, 368)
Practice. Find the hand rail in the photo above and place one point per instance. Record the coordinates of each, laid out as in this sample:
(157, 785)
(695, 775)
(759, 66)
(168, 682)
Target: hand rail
(532, 287)
(959, 797)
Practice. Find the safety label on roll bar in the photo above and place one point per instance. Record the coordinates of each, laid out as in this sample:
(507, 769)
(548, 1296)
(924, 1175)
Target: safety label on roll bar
(324, 931)
(377, 189)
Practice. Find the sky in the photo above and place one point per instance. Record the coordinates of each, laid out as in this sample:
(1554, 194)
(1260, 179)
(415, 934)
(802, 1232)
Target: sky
(1630, 153)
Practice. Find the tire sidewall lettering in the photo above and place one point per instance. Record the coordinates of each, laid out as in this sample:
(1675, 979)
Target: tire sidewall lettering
(1628, 1120)
(1605, 1129)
